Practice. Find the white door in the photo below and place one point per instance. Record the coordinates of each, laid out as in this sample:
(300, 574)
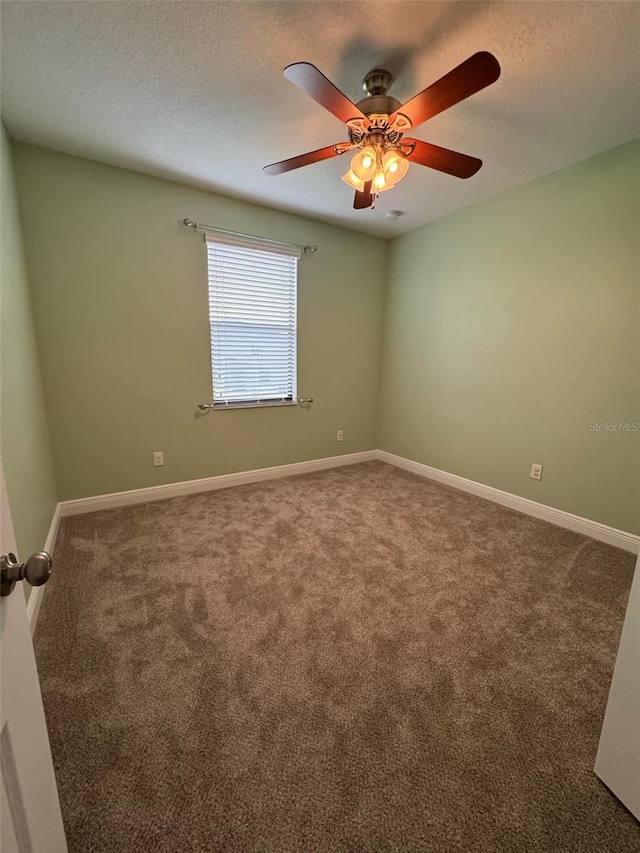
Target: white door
(31, 818)
(618, 758)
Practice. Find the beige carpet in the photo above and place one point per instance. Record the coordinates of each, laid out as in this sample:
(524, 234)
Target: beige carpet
(353, 660)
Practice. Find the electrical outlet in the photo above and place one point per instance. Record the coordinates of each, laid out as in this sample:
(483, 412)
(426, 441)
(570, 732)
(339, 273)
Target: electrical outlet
(340, 435)
(536, 471)
(158, 458)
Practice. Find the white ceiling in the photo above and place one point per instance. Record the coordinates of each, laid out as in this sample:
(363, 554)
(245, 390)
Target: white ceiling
(193, 91)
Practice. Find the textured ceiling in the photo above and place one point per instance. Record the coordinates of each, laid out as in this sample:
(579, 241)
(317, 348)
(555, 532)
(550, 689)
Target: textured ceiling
(194, 91)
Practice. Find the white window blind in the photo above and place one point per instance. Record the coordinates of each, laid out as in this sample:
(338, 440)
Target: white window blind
(252, 312)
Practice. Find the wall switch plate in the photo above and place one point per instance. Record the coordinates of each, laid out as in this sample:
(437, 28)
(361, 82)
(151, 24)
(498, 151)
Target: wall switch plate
(340, 435)
(158, 458)
(536, 471)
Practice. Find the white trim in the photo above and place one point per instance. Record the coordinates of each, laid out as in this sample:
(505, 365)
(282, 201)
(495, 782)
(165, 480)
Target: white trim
(223, 481)
(35, 598)
(601, 532)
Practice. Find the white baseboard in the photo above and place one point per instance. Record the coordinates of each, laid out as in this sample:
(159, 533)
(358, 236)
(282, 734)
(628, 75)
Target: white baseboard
(207, 484)
(35, 598)
(587, 527)
(601, 532)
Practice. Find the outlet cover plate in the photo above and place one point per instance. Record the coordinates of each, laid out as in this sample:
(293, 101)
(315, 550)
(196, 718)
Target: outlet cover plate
(536, 471)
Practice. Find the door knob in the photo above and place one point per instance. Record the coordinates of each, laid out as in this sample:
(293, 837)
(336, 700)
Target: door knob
(35, 571)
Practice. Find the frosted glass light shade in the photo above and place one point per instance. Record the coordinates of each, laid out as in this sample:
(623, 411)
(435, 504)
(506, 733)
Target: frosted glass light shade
(363, 164)
(353, 181)
(394, 167)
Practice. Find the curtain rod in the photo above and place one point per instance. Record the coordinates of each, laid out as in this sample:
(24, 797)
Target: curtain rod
(189, 223)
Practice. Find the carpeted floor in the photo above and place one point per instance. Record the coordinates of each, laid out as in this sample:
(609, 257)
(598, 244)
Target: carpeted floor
(352, 660)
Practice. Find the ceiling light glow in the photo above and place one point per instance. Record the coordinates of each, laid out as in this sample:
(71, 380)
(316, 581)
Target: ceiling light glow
(382, 166)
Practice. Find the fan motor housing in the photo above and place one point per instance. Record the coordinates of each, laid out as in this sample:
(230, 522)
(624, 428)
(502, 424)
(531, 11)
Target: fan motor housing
(376, 84)
(379, 104)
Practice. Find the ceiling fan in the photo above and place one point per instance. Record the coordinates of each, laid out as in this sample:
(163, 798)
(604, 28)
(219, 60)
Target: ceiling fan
(377, 124)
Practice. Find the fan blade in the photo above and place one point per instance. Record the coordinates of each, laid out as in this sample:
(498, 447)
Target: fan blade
(312, 81)
(305, 159)
(363, 199)
(469, 77)
(442, 159)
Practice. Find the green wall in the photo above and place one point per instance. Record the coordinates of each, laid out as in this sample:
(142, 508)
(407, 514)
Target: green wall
(24, 440)
(511, 327)
(121, 315)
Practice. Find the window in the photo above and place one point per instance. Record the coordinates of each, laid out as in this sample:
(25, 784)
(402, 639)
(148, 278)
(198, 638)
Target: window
(252, 312)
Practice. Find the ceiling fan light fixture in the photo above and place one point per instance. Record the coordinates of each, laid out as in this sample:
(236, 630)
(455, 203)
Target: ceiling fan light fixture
(384, 170)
